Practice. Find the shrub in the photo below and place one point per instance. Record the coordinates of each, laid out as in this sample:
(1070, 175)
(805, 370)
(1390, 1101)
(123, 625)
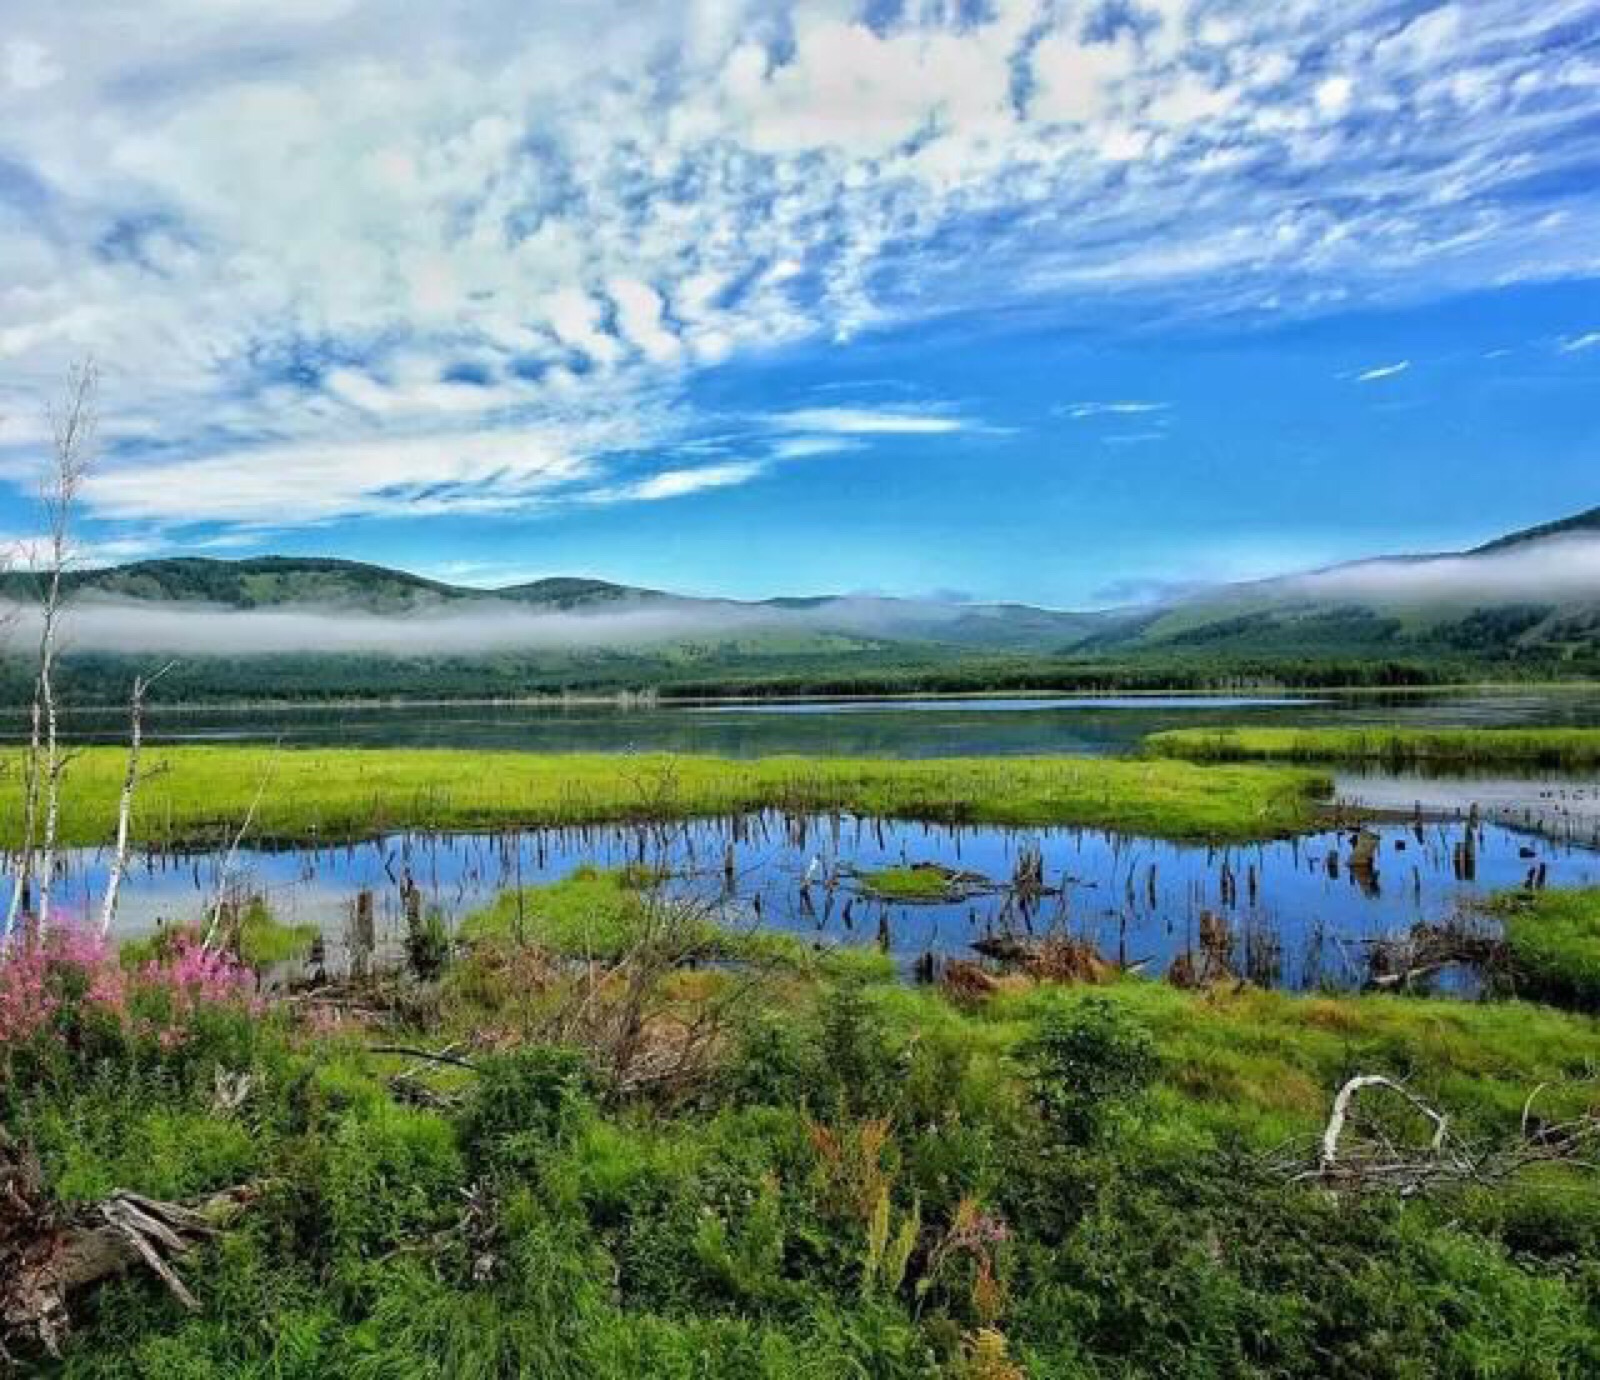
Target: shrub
(1086, 1065)
(523, 1101)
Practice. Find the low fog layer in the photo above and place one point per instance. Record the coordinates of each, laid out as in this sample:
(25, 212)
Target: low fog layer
(100, 624)
(1552, 570)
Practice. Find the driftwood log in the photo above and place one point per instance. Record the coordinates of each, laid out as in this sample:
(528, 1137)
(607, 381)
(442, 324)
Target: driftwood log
(1345, 1160)
(49, 1255)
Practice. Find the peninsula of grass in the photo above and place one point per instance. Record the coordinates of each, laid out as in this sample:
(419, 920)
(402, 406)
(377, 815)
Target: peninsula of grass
(1535, 748)
(201, 795)
(1553, 938)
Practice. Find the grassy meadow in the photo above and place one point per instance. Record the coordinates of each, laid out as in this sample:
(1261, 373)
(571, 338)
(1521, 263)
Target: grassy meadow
(859, 1178)
(591, 1134)
(202, 794)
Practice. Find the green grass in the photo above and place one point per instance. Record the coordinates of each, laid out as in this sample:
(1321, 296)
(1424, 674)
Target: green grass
(604, 913)
(1396, 746)
(592, 913)
(264, 939)
(1526, 747)
(864, 1177)
(526, 1222)
(198, 794)
(1554, 939)
(905, 883)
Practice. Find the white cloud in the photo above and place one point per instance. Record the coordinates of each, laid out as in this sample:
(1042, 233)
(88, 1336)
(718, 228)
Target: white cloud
(576, 319)
(678, 483)
(860, 421)
(1333, 95)
(346, 229)
(1077, 80)
(803, 447)
(28, 66)
(1573, 344)
(1383, 371)
(1081, 411)
(317, 481)
(639, 315)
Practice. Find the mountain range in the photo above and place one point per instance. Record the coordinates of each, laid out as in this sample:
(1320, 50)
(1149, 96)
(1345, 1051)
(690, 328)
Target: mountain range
(1528, 599)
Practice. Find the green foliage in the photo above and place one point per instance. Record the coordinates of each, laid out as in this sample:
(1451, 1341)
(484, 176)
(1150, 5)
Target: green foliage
(264, 940)
(390, 1175)
(1086, 1066)
(1554, 941)
(523, 1101)
(428, 943)
(876, 1183)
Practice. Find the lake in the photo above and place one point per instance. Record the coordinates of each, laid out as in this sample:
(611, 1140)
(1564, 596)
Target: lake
(1297, 915)
(1095, 725)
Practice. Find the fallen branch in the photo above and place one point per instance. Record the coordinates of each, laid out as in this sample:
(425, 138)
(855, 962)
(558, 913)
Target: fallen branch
(442, 1056)
(1342, 1162)
(47, 1256)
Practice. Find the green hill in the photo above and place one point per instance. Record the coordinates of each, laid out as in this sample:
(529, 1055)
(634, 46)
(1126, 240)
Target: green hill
(1527, 604)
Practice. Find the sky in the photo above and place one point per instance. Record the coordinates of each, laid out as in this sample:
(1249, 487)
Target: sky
(1073, 302)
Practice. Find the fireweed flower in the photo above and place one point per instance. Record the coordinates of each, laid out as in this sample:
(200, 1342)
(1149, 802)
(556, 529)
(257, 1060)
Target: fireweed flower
(46, 978)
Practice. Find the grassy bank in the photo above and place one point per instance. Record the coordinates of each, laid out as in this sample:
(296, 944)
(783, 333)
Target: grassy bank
(1554, 941)
(1467, 747)
(204, 793)
(861, 1179)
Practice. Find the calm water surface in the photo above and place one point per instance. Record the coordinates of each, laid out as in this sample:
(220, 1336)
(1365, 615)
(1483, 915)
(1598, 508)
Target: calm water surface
(890, 728)
(1297, 911)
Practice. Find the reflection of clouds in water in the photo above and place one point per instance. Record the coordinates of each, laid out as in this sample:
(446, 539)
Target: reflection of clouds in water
(1111, 896)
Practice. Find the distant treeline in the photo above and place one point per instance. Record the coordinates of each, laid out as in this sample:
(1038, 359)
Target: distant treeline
(104, 680)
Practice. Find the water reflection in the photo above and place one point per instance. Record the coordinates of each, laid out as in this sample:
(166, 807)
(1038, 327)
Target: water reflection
(921, 728)
(1303, 912)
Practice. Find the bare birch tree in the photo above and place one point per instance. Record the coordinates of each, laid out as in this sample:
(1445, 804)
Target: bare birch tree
(130, 787)
(73, 427)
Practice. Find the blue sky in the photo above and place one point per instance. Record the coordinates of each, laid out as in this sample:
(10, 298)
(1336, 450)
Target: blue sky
(1033, 299)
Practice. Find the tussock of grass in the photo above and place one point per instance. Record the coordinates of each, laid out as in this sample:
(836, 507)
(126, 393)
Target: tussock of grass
(906, 883)
(1554, 940)
(1526, 747)
(197, 794)
(593, 913)
(260, 939)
